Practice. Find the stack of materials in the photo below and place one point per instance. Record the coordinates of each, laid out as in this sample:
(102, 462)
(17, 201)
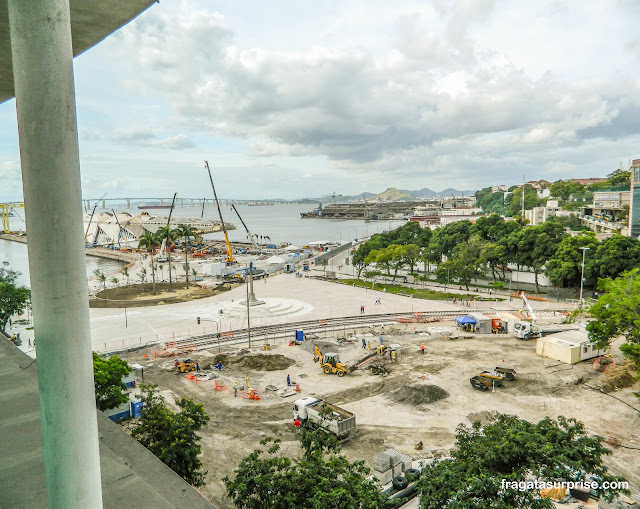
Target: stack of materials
(389, 464)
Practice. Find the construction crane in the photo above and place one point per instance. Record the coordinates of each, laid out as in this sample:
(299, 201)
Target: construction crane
(6, 212)
(526, 330)
(251, 239)
(224, 228)
(86, 233)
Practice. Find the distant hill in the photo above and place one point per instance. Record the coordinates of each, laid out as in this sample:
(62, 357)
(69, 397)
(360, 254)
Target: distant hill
(393, 194)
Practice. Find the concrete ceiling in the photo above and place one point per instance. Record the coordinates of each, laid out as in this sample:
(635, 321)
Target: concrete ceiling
(91, 21)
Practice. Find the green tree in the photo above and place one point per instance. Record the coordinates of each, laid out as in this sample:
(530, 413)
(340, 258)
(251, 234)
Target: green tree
(320, 478)
(615, 255)
(492, 203)
(14, 299)
(168, 236)
(125, 273)
(538, 244)
(619, 178)
(617, 313)
(410, 256)
(563, 189)
(186, 232)
(150, 242)
(445, 239)
(530, 200)
(465, 264)
(510, 449)
(383, 258)
(398, 256)
(101, 277)
(172, 436)
(564, 268)
(107, 377)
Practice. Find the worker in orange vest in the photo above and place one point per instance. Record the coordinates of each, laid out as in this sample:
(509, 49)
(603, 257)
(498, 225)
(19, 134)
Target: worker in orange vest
(422, 348)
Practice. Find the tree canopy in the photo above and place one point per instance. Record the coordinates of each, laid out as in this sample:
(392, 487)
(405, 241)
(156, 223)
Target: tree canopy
(172, 436)
(617, 313)
(107, 377)
(320, 478)
(511, 449)
(14, 299)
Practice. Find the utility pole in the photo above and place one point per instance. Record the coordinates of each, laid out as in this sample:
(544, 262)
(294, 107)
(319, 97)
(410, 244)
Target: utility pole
(584, 250)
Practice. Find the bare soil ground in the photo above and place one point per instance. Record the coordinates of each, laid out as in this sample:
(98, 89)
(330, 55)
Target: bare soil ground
(141, 295)
(422, 398)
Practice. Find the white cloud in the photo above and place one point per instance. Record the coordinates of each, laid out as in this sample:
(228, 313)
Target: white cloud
(407, 93)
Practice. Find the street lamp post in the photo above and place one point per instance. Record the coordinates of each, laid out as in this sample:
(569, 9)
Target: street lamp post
(584, 250)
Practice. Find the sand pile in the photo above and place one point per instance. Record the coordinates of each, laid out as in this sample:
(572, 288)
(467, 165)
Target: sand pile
(417, 395)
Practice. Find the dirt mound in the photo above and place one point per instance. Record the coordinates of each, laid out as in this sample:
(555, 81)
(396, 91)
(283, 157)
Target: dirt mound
(623, 375)
(417, 395)
(483, 416)
(309, 345)
(262, 362)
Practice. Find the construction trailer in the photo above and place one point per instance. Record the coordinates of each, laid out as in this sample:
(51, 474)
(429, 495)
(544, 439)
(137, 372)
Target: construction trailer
(483, 323)
(569, 347)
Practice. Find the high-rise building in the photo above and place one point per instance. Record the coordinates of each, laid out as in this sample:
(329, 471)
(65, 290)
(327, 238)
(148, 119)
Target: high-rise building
(634, 214)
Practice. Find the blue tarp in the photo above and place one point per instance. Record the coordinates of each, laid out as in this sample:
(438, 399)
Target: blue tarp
(463, 320)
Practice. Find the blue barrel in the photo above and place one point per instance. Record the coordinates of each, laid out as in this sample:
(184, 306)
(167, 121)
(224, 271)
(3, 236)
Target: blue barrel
(299, 335)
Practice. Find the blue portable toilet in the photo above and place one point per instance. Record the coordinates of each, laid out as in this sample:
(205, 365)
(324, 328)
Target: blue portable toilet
(136, 408)
(299, 335)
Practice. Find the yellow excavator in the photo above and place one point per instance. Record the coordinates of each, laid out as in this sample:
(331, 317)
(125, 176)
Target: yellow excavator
(330, 363)
(229, 259)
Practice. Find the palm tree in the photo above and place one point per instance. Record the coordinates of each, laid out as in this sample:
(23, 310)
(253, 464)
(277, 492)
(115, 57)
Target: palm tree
(101, 277)
(143, 275)
(168, 235)
(150, 242)
(125, 273)
(186, 232)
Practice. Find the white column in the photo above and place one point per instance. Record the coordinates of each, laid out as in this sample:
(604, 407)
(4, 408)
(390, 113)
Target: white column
(45, 99)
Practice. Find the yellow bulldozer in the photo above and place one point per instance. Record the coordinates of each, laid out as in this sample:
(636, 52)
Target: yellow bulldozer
(330, 363)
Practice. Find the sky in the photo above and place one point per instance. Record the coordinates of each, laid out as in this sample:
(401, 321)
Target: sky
(294, 98)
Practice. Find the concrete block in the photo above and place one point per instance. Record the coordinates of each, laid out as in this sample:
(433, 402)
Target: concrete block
(397, 470)
(384, 477)
(406, 461)
(381, 462)
(394, 456)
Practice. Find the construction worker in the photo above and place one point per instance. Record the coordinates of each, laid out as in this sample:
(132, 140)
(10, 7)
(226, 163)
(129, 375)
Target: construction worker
(422, 348)
(197, 367)
(288, 381)
(368, 346)
(246, 381)
(364, 343)
(235, 389)
(219, 365)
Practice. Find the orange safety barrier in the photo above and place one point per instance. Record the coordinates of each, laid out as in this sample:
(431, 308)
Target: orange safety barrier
(227, 334)
(191, 376)
(254, 396)
(219, 387)
(169, 344)
(297, 387)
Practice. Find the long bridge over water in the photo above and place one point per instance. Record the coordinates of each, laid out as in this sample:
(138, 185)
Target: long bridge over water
(89, 203)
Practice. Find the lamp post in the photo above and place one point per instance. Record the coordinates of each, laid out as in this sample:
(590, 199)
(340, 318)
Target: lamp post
(584, 251)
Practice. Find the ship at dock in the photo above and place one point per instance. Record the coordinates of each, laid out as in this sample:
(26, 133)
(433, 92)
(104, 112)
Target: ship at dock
(317, 212)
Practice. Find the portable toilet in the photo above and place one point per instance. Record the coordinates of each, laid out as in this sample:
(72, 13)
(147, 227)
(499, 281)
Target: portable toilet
(299, 336)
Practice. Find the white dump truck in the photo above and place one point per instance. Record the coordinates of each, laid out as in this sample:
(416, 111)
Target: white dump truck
(315, 413)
